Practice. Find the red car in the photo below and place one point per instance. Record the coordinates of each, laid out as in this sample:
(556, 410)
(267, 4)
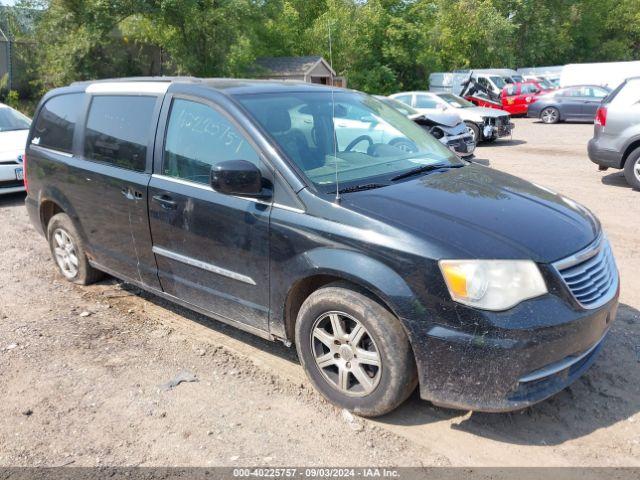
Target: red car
(516, 97)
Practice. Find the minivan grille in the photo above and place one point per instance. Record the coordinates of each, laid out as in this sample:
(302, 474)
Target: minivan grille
(591, 274)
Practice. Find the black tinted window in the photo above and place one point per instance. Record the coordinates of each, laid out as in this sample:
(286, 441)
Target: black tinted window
(199, 137)
(118, 130)
(56, 122)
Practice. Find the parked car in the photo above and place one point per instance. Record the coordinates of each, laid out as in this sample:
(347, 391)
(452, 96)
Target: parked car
(448, 127)
(387, 268)
(14, 128)
(616, 132)
(570, 103)
(516, 97)
(485, 124)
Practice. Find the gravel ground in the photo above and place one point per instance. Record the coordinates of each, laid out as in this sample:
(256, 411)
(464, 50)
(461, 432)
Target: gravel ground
(83, 370)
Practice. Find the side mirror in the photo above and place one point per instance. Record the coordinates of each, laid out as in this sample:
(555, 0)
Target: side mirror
(237, 177)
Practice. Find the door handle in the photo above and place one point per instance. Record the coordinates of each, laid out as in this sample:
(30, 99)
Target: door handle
(165, 202)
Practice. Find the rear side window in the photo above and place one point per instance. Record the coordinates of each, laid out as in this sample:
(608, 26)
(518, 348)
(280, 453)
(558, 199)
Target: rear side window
(118, 130)
(404, 99)
(56, 121)
(422, 101)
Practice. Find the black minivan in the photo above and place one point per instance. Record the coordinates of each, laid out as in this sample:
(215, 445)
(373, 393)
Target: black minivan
(325, 218)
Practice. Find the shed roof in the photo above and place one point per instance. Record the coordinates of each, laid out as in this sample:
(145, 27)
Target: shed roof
(288, 66)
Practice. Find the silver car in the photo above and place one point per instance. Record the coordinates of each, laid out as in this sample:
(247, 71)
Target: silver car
(616, 135)
(447, 127)
(485, 124)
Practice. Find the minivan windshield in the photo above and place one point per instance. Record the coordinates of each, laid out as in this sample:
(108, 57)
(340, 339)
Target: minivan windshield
(11, 119)
(372, 144)
(455, 100)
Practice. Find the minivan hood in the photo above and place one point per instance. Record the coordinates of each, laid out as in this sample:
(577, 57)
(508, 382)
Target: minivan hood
(478, 212)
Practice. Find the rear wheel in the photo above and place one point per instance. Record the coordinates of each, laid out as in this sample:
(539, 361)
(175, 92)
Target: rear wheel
(550, 115)
(68, 251)
(632, 169)
(355, 351)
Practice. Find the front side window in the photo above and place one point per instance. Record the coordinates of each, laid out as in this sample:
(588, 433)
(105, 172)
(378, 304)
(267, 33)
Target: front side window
(11, 119)
(374, 144)
(56, 122)
(197, 138)
(118, 130)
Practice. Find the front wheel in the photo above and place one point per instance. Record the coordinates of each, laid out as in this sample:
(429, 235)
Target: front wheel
(632, 169)
(355, 351)
(474, 131)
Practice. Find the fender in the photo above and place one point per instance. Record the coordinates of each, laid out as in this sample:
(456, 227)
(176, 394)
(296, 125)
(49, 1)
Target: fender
(348, 265)
(53, 194)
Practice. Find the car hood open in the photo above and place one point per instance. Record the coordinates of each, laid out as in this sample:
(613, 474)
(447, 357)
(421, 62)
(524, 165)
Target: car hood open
(478, 212)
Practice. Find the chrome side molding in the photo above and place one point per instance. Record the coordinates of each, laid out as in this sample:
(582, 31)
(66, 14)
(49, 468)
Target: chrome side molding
(209, 267)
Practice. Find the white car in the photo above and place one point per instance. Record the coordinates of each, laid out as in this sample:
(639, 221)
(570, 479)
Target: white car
(14, 128)
(485, 124)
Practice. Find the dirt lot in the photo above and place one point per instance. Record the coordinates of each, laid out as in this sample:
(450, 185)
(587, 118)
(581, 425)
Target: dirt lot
(82, 369)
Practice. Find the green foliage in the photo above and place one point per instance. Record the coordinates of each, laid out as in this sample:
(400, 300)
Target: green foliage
(13, 99)
(379, 45)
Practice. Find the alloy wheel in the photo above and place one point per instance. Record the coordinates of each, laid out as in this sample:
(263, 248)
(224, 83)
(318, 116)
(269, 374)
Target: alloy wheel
(65, 253)
(636, 169)
(346, 354)
(473, 134)
(549, 115)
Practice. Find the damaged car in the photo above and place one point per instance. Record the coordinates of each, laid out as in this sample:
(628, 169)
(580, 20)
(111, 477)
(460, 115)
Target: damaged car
(388, 261)
(485, 124)
(447, 127)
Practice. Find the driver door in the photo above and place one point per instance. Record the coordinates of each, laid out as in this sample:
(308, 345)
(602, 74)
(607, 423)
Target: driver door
(212, 249)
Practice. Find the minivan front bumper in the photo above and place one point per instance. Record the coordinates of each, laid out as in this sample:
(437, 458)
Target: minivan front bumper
(514, 365)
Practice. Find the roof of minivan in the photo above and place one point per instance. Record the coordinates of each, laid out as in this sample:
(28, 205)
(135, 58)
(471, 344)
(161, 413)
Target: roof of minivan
(228, 85)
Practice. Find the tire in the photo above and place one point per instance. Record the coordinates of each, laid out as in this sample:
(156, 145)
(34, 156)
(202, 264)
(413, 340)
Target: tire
(68, 251)
(632, 169)
(370, 334)
(550, 115)
(475, 132)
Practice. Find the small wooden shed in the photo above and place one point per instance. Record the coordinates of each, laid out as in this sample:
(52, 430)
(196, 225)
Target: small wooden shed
(311, 69)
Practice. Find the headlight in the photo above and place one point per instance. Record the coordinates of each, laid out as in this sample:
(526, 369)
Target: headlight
(492, 284)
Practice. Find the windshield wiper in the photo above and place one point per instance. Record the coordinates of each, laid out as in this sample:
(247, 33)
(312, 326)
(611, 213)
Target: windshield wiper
(423, 169)
(359, 188)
